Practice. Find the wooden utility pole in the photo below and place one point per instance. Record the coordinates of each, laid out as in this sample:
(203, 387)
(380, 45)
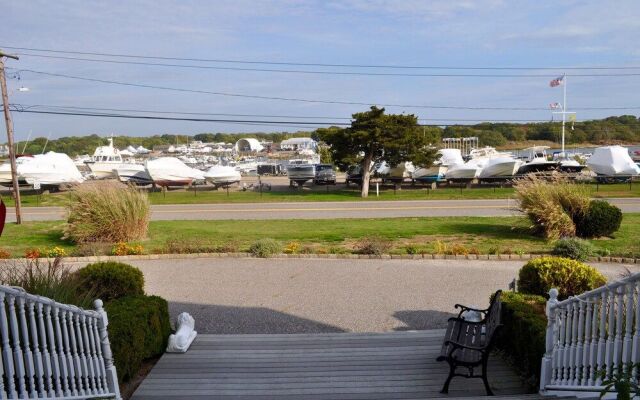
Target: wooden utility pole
(9, 123)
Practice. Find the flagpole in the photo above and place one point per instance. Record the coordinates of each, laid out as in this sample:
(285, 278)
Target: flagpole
(564, 108)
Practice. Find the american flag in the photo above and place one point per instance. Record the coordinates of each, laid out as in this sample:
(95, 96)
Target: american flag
(554, 106)
(557, 81)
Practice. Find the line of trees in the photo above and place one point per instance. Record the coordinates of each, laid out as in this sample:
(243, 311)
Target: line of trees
(622, 129)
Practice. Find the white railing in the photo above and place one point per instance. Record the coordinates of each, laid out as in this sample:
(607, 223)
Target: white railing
(52, 350)
(587, 334)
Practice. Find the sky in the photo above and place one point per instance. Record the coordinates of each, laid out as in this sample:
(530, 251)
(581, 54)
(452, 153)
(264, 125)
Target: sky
(483, 33)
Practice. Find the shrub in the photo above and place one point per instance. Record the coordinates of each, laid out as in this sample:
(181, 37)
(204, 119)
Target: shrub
(412, 249)
(574, 248)
(292, 248)
(440, 247)
(107, 211)
(126, 249)
(54, 252)
(93, 249)
(474, 250)
(50, 279)
(552, 206)
(570, 277)
(601, 219)
(457, 249)
(111, 280)
(523, 332)
(375, 245)
(4, 254)
(266, 247)
(138, 330)
(231, 246)
(32, 254)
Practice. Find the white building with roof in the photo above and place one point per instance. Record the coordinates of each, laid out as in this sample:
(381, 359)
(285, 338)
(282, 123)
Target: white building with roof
(248, 145)
(300, 143)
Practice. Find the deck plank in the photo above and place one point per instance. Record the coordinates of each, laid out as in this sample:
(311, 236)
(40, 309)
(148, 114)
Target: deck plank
(395, 365)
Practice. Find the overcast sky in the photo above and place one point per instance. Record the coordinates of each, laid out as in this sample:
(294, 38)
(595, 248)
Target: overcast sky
(409, 32)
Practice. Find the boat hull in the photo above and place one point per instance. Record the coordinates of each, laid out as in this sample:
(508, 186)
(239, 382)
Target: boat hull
(533, 167)
(500, 170)
(103, 170)
(134, 174)
(461, 173)
(429, 175)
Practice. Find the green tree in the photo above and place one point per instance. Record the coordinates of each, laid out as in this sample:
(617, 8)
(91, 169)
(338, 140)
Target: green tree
(375, 136)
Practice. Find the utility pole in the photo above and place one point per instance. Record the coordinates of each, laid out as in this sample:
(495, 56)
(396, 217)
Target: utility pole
(9, 123)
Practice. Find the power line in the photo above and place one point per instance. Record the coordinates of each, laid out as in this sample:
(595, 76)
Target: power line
(316, 72)
(302, 100)
(301, 124)
(337, 65)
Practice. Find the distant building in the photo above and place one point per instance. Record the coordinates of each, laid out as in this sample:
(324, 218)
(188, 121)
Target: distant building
(4, 150)
(297, 144)
(248, 145)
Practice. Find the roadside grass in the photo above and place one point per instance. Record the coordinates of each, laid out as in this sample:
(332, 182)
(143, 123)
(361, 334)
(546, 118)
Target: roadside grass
(485, 235)
(340, 193)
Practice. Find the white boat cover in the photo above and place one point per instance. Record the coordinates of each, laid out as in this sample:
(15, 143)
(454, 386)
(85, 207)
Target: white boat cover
(221, 174)
(450, 157)
(49, 169)
(612, 160)
(171, 169)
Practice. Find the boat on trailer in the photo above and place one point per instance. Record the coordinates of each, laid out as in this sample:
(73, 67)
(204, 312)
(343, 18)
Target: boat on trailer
(300, 171)
(169, 171)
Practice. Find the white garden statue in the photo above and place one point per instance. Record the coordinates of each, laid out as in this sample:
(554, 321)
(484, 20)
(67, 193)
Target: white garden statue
(180, 341)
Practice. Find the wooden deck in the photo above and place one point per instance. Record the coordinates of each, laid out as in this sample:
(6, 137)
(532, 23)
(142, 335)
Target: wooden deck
(398, 365)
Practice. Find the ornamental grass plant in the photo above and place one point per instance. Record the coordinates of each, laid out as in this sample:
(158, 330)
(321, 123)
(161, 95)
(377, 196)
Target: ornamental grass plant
(553, 205)
(107, 211)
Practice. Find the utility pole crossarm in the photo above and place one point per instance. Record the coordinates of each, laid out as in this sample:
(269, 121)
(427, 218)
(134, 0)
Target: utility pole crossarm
(9, 126)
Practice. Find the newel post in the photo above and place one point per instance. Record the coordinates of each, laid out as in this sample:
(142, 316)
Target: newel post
(547, 360)
(112, 376)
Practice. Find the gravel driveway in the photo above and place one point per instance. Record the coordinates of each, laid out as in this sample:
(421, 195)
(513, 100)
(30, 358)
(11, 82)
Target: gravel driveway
(248, 295)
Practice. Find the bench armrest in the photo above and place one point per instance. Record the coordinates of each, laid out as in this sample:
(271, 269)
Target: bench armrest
(464, 321)
(464, 308)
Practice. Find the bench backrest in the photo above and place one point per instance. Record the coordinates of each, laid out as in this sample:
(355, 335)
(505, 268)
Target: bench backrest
(53, 350)
(492, 321)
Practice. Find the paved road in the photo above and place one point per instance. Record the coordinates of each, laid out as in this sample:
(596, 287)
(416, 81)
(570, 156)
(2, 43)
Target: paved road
(321, 210)
(324, 295)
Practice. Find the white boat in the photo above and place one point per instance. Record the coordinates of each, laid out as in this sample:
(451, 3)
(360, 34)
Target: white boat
(5, 171)
(169, 171)
(398, 173)
(105, 159)
(300, 171)
(220, 175)
(465, 171)
(50, 169)
(132, 172)
(500, 168)
(438, 171)
(536, 160)
(612, 161)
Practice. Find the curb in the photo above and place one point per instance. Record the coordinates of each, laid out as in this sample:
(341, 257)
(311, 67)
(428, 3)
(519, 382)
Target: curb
(492, 257)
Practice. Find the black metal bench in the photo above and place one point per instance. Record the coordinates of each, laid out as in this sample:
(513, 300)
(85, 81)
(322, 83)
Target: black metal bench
(468, 343)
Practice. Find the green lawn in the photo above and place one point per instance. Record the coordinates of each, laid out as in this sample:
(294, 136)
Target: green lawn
(485, 234)
(203, 196)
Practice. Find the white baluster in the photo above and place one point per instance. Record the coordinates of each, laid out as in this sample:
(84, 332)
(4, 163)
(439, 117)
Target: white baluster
(77, 353)
(602, 336)
(566, 357)
(62, 359)
(46, 361)
(95, 338)
(112, 377)
(30, 373)
(68, 352)
(546, 373)
(55, 358)
(593, 352)
(6, 350)
(17, 350)
(586, 352)
(37, 355)
(627, 342)
(574, 343)
(635, 354)
(617, 344)
(559, 351)
(89, 356)
(611, 312)
(579, 345)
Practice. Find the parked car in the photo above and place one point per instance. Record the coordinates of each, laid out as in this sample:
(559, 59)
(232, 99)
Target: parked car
(325, 174)
(354, 175)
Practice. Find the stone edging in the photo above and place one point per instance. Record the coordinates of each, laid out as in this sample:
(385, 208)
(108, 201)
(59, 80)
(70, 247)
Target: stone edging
(501, 257)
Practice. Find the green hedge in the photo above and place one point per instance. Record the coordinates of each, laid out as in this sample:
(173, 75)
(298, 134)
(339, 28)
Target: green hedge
(601, 219)
(111, 280)
(570, 277)
(523, 334)
(138, 330)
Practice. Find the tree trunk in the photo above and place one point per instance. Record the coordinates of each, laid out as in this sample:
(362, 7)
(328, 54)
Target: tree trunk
(366, 175)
